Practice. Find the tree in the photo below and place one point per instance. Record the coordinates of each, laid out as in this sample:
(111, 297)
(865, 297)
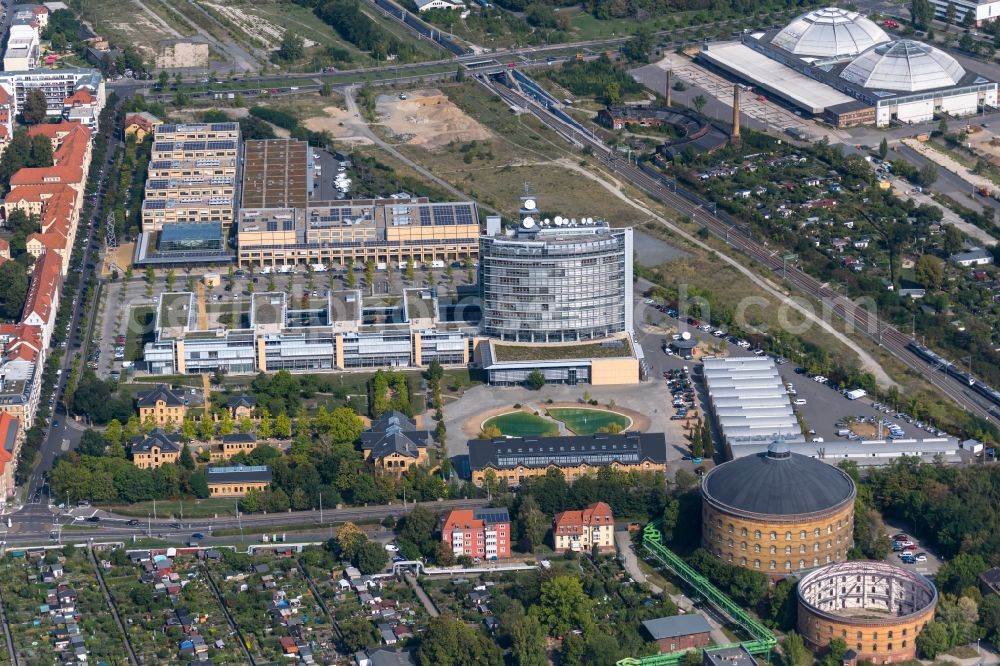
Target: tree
(883, 148)
(613, 93)
(960, 572)
(794, 649)
(637, 48)
(949, 16)
(186, 460)
(953, 239)
(922, 13)
(449, 641)
(349, 540)
(35, 107)
(292, 47)
(459, 74)
(563, 605)
(928, 271)
(928, 174)
(525, 634)
(113, 433)
(408, 272)
(163, 79)
(371, 558)
(358, 633)
(283, 426)
(417, 527)
(91, 443)
(699, 103)
(13, 290)
(444, 556)
(933, 640)
(535, 380)
(370, 274)
(533, 524)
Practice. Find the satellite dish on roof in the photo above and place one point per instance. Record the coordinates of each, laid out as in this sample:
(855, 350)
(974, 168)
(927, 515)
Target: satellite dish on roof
(546, 221)
(559, 220)
(529, 204)
(686, 335)
(528, 222)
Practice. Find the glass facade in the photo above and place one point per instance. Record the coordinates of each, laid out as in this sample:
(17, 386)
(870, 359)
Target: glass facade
(556, 284)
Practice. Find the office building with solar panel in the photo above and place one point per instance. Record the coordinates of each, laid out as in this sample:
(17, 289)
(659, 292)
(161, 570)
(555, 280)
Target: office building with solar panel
(191, 192)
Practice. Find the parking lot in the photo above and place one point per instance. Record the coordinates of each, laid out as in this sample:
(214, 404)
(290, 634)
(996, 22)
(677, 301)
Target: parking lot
(821, 406)
(926, 562)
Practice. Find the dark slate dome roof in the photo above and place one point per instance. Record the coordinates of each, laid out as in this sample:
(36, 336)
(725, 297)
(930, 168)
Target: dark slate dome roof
(777, 483)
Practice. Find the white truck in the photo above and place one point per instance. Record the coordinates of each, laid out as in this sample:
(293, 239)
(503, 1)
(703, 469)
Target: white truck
(855, 394)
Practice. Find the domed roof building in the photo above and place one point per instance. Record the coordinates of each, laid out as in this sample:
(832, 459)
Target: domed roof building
(830, 32)
(778, 512)
(904, 65)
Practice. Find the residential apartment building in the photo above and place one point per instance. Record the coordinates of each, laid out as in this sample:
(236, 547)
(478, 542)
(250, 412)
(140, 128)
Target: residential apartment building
(140, 125)
(580, 531)
(20, 385)
(515, 459)
(155, 449)
(342, 233)
(161, 405)
(56, 84)
(237, 480)
(42, 303)
(192, 176)
(483, 532)
(11, 436)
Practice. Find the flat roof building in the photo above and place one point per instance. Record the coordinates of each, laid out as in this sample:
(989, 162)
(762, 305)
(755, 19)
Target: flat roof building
(192, 177)
(277, 173)
(342, 233)
(560, 280)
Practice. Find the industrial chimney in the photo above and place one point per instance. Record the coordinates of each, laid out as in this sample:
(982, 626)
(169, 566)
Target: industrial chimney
(667, 88)
(734, 138)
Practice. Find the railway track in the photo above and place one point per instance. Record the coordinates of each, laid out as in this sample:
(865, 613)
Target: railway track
(740, 238)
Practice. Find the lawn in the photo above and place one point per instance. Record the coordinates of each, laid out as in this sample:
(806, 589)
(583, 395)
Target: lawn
(589, 421)
(523, 424)
(139, 331)
(206, 508)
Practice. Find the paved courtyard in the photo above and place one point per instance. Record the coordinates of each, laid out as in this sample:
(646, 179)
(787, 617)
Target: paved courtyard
(650, 399)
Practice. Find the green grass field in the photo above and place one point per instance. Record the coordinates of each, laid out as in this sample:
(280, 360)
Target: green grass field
(522, 424)
(589, 421)
(206, 508)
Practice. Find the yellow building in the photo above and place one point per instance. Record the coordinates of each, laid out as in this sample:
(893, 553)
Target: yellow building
(514, 459)
(238, 480)
(584, 529)
(241, 406)
(340, 233)
(163, 405)
(233, 444)
(155, 449)
(140, 125)
(393, 444)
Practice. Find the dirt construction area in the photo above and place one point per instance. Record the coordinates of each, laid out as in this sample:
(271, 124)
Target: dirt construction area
(340, 124)
(428, 118)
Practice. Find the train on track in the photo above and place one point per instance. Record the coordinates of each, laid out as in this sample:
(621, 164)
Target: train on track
(949, 368)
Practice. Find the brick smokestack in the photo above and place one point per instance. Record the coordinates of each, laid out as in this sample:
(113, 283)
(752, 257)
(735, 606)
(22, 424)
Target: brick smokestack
(734, 139)
(667, 87)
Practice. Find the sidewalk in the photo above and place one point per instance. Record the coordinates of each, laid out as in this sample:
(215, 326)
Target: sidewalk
(632, 568)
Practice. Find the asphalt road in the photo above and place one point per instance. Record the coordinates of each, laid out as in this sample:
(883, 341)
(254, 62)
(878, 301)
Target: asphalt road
(947, 182)
(39, 526)
(863, 322)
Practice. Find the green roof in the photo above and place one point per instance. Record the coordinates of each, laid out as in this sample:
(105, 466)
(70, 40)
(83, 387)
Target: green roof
(616, 348)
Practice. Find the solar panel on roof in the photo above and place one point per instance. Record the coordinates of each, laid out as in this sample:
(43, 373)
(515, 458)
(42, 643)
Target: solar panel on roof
(425, 216)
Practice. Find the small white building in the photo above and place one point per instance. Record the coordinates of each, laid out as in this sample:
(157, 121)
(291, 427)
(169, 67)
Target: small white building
(977, 256)
(427, 5)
